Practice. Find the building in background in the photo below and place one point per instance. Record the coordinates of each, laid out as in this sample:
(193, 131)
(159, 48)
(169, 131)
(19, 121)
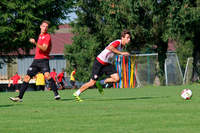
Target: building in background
(20, 64)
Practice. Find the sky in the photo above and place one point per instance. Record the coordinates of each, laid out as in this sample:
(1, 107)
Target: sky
(72, 17)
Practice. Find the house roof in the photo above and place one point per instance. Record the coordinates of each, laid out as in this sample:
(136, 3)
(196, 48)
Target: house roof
(61, 37)
(59, 40)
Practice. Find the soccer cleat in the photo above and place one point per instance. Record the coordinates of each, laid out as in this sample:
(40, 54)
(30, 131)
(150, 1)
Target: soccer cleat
(57, 97)
(78, 99)
(15, 99)
(100, 87)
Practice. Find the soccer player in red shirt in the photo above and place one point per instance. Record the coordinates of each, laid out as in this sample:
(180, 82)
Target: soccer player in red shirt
(53, 74)
(40, 62)
(61, 78)
(15, 79)
(103, 64)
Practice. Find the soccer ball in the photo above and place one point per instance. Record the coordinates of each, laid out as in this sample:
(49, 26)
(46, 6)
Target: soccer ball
(186, 94)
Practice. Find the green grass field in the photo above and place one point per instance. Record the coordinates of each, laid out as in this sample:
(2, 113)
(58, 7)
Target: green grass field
(135, 110)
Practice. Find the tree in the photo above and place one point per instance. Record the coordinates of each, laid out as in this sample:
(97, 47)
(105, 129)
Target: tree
(184, 27)
(100, 22)
(150, 22)
(85, 44)
(20, 20)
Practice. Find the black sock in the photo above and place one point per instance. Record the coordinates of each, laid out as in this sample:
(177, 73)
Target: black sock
(22, 90)
(53, 86)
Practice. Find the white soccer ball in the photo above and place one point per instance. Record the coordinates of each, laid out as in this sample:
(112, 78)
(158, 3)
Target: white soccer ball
(186, 94)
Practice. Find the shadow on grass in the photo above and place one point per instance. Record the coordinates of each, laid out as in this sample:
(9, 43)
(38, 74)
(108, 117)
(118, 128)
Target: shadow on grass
(67, 99)
(5, 106)
(126, 98)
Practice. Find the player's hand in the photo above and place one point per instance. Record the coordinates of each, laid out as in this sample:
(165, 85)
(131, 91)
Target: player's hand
(31, 40)
(125, 53)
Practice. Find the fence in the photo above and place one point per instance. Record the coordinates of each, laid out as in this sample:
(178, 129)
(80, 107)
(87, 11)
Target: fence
(21, 65)
(134, 71)
(142, 69)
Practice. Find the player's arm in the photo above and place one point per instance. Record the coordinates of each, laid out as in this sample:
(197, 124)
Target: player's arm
(64, 78)
(43, 47)
(113, 49)
(58, 75)
(9, 82)
(73, 74)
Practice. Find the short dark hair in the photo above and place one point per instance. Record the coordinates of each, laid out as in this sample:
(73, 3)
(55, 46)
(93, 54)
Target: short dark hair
(124, 32)
(45, 21)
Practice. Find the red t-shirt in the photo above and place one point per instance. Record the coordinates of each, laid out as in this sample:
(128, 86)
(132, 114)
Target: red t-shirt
(60, 76)
(43, 39)
(53, 75)
(15, 79)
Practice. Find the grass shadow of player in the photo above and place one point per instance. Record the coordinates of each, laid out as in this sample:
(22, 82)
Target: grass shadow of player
(124, 98)
(5, 106)
(66, 99)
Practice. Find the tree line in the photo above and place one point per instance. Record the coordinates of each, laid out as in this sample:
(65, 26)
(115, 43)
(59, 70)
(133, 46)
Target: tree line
(151, 22)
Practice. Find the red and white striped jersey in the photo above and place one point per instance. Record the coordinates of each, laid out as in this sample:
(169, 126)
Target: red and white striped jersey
(107, 56)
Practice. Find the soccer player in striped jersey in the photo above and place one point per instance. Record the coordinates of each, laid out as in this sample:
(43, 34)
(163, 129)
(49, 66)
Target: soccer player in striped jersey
(103, 64)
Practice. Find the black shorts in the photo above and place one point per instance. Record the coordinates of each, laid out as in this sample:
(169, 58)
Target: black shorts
(15, 86)
(72, 82)
(61, 84)
(98, 70)
(38, 65)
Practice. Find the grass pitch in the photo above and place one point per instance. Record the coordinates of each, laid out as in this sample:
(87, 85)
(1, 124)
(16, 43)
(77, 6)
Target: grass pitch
(134, 110)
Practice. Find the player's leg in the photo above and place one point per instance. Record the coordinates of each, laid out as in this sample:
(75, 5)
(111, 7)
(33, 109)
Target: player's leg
(42, 87)
(17, 87)
(52, 85)
(14, 86)
(112, 79)
(45, 69)
(32, 71)
(112, 73)
(62, 84)
(73, 84)
(22, 90)
(24, 86)
(37, 87)
(87, 85)
(95, 75)
(59, 86)
(83, 88)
